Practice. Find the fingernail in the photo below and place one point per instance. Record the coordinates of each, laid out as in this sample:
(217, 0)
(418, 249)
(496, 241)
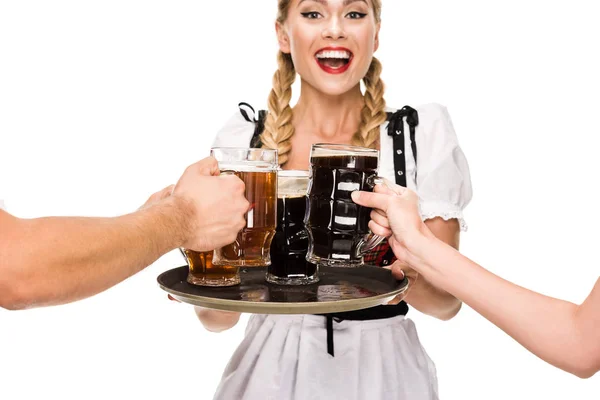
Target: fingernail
(355, 195)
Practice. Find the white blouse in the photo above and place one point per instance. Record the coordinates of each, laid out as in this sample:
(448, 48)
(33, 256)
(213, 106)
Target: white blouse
(443, 181)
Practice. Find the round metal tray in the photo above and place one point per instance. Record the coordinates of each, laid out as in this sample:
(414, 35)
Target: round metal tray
(339, 289)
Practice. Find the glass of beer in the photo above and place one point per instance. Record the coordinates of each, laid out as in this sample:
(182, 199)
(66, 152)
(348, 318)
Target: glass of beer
(290, 244)
(204, 273)
(337, 227)
(257, 168)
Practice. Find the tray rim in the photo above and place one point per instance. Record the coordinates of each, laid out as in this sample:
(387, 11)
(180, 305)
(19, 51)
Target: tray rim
(244, 306)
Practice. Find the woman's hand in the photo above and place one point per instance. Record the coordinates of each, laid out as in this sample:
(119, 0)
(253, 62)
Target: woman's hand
(395, 215)
(400, 271)
(217, 320)
(214, 320)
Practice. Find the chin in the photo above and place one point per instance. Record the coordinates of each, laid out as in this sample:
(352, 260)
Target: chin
(331, 86)
(333, 89)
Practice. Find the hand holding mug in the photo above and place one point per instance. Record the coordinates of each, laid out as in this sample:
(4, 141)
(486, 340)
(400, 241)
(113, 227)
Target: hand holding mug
(215, 205)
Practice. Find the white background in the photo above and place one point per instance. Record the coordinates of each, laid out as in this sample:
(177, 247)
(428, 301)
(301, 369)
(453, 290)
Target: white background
(104, 102)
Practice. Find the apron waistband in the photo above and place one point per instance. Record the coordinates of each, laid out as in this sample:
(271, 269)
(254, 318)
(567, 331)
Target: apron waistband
(369, 314)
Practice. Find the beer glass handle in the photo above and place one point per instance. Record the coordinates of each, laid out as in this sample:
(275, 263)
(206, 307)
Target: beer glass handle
(368, 244)
(372, 240)
(378, 180)
(182, 251)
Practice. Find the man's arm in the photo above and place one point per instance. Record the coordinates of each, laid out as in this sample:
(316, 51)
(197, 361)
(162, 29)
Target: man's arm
(49, 261)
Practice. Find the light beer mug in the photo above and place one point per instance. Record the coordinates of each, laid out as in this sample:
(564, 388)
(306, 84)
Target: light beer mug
(257, 168)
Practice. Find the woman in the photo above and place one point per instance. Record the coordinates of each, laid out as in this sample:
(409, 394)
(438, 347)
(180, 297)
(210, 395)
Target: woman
(377, 353)
(572, 345)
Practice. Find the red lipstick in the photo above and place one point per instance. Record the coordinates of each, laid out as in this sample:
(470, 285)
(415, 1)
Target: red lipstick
(334, 70)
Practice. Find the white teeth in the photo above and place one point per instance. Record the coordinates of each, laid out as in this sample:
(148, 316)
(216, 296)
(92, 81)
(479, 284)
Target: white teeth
(334, 54)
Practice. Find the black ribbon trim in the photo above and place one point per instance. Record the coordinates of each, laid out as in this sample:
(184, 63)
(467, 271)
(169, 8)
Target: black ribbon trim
(329, 328)
(367, 314)
(258, 129)
(245, 113)
(257, 120)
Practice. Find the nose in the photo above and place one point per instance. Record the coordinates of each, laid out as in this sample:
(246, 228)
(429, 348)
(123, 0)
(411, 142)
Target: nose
(334, 29)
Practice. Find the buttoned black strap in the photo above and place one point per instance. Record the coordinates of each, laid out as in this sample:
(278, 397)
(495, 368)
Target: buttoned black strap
(396, 131)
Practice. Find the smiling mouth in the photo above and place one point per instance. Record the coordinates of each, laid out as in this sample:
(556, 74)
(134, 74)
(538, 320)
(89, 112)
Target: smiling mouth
(334, 61)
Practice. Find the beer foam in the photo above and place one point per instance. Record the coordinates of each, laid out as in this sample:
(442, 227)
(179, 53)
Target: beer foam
(250, 166)
(292, 188)
(289, 195)
(292, 183)
(339, 153)
(331, 150)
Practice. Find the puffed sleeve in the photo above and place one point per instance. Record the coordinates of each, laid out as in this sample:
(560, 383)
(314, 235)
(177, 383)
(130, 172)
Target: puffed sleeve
(443, 177)
(238, 130)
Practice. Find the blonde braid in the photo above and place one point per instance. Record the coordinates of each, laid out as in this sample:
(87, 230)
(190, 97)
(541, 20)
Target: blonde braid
(373, 113)
(278, 126)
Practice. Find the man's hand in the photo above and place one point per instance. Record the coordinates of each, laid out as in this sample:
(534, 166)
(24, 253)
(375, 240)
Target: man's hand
(214, 205)
(158, 196)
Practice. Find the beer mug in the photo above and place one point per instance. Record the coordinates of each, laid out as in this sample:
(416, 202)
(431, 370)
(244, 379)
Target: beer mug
(204, 273)
(290, 244)
(257, 168)
(337, 227)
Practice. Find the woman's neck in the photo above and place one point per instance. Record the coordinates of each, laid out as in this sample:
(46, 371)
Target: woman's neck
(331, 118)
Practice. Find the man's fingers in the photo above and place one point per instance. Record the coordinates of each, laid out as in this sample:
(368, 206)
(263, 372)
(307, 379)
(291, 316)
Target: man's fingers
(207, 166)
(161, 194)
(158, 196)
(166, 192)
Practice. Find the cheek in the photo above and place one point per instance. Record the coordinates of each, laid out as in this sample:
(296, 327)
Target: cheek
(301, 47)
(365, 39)
(300, 40)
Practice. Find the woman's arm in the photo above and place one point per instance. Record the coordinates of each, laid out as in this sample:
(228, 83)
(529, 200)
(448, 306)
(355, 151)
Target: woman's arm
(423, 295)
(561, 333)
(557, 331)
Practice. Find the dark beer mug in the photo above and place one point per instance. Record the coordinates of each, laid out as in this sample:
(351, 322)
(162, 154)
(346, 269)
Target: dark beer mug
(290, 244)
(337, 227)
